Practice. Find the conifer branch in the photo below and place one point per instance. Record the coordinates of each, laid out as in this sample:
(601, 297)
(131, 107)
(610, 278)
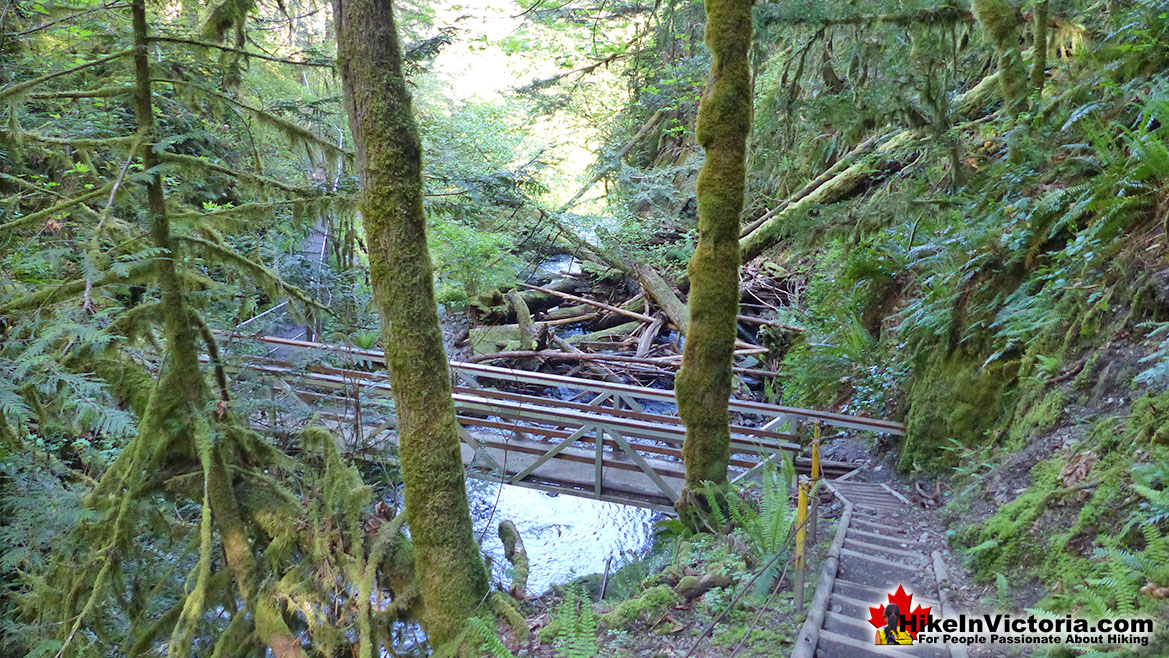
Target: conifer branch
(287, 127)
(100, 92)
(77, 142)
(231, 257)
(928, 16)
(45, 26)
(50, 294)
(254, 208)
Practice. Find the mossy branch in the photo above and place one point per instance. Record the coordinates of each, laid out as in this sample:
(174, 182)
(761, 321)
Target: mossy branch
(322, 63)
(253, 209)
(183, 634)
(53, 210)
(232, 258)
(14, 91)
(52, 294)
(261, 181)
(514, 551)
(290, 129)
(101, 92)
(76, 142)
(943, 15)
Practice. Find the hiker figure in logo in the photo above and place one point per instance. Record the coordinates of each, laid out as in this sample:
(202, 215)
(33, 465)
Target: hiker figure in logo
(891, 632)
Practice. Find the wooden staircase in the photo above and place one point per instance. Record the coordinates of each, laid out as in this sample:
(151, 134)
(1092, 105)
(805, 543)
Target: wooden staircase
(875, 549)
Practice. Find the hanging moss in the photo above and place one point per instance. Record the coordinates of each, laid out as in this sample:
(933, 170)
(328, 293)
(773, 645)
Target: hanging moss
(703, 384)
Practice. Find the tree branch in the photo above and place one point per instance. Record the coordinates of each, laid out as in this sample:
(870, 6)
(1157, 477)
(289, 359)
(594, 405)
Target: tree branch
(16, 89)
(239, 51)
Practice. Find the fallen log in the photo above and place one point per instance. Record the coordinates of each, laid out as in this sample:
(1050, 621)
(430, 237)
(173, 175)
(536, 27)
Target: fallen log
(663, 293)
(656, 362)
(528, 338)
(771, 323)
(837, 188)
(860, 149)
(514, 551)
(847, 181)
(650, 335)
(597, 368)
(566, 312)
(600, 335)
(575, 319)
(608, 307)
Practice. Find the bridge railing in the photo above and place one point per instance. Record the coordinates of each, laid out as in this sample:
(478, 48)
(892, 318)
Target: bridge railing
(627, 394)
(609, 447)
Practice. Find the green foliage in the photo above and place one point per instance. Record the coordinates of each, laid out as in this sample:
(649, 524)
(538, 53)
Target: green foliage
(576, 634)
(770, 527)
(1158, 373)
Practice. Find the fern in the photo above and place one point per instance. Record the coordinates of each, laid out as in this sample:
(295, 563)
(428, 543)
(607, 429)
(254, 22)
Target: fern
(712, 494)
(489, 642)
(576, 636)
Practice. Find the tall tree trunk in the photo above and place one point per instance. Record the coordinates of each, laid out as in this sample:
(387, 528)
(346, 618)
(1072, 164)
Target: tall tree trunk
(703, 383)
(452, 577)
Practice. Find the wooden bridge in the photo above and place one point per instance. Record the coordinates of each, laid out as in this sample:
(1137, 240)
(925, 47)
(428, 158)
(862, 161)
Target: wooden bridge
(581, 437)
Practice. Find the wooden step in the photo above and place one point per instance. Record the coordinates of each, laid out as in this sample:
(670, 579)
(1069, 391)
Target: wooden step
(872, 595)
(859, 628)
(860, 497)
(835, 645)
(851, 603)
(874, 526)
(891, 507)
(877, 538)
(878, 549)
(879, 581)
(885, 561)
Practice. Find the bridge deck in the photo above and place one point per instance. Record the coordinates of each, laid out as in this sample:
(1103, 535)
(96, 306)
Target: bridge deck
(621, 452)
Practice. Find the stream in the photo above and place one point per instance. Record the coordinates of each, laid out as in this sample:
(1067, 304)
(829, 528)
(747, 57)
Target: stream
(566, 536)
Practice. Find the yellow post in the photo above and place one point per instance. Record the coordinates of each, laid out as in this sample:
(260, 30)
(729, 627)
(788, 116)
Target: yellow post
(816, 452)
(814, 506)
(801, 544)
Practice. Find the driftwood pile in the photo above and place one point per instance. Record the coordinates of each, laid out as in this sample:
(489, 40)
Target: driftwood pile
(620, 332)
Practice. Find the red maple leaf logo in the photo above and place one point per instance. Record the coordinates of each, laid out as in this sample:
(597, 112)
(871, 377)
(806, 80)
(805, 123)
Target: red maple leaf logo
(903, 600)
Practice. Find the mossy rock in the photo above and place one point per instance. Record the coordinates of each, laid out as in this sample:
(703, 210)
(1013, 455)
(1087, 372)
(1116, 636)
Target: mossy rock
(651, 602)
(954, 398)
(495, 339)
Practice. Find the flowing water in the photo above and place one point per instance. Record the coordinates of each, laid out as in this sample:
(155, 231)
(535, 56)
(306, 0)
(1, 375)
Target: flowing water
(565, 536)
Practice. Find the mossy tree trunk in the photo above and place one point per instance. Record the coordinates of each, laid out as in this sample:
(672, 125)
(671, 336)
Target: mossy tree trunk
(1040, 16)
(1002, 24)
(452, 577)
(703, 383)
(173, 425)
